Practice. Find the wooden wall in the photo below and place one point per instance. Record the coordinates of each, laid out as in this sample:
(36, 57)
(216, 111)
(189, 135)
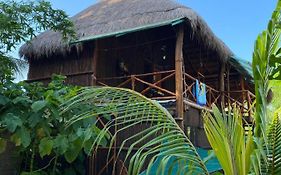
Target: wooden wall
(142, 52)
(77, 65)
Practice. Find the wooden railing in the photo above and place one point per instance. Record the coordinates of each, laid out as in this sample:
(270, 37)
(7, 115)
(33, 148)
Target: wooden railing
(243, 99)
(160, 86)
(146, 84)
(212, 94)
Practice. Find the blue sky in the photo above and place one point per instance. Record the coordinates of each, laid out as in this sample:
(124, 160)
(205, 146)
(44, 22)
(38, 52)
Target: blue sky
(236, 22)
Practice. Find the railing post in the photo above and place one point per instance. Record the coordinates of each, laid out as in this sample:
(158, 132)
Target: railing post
(94, 65)
(242, 82)
(249, 105)
(210, 97)
(179, 63)
(221, 84)
(133, 82)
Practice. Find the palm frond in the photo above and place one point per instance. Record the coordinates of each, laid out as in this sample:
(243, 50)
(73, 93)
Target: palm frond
(226, 135)
(274, 147)
(161, 138)
(265, 56)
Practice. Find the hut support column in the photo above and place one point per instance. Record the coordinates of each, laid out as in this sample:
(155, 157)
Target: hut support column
(221, 85)
(242, 83)
(95, 61)
(179, 75)
(228, 83)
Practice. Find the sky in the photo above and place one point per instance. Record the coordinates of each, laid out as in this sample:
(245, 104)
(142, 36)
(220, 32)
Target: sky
(236, 22)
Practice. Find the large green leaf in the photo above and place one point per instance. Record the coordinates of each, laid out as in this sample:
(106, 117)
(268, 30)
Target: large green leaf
(265, 66)
(4, 100)
(161, 138)
(12, 122)
(61, 143)
(38, 105)
(73, 150)
(45, 146)
(24, 136)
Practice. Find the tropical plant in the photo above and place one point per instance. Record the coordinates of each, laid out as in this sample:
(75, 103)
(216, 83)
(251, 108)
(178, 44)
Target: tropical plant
(162, 138)
(226, 135)
(30, 119)
(258, 153)
(273, 165)
(266, 66)
(238, 153)
(21, 21)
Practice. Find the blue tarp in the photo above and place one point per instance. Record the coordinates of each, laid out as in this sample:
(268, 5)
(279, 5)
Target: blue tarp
(212, 164)
(199, 91)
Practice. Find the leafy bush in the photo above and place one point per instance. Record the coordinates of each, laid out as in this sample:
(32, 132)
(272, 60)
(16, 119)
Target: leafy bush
(30, 118)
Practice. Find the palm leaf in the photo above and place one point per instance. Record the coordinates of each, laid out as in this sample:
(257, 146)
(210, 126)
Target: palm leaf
(226, 135)
(274, 147)
(161, 138)
(264, 58)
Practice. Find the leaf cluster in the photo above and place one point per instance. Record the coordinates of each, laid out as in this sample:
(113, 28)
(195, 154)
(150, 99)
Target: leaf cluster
(160, 139)
(23, 20)
(30, 118)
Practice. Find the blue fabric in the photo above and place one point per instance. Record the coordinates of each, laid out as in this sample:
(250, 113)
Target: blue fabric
(199, 91)
(212, 164)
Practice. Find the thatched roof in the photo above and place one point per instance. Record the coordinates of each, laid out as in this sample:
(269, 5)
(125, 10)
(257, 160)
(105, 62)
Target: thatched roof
(112, 16)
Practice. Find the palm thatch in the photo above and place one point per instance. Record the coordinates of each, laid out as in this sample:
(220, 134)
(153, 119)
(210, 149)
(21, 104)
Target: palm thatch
(109, 16)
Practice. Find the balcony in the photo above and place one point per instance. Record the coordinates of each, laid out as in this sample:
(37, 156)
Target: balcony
(160, 86)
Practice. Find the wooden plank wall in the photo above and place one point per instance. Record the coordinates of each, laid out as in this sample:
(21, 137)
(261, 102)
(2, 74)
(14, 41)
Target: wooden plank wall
(73, 63)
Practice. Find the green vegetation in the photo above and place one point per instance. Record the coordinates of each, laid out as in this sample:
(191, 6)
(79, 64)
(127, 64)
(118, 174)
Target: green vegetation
(238, 153)
(130, 110)
(21, 21)
(226, 135)
(57, 124)
(31, 119)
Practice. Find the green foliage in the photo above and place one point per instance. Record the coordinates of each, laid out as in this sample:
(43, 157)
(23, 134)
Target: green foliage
(3, 144)
(20, 22)
(274, 145)
(45, 146)
(30, 117)
(265, 67)
(227, 137)
(275, 86)
(265, 52)
(127, 110)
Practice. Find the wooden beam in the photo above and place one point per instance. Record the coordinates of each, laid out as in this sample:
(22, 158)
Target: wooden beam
(228, 83)
(221, 84)
(179, 73)
(95, 62)
(242, 83)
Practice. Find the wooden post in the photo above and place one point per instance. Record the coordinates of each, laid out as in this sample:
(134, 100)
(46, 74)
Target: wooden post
(133, 82)
(179, 74)
(242, 83)
(95, 62)
(228, 84)
(221, 85)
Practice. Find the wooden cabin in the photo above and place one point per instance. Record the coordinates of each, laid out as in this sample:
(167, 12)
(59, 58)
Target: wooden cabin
(161, 49)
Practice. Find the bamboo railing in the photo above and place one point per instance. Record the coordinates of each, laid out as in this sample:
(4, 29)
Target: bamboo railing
(148, 85)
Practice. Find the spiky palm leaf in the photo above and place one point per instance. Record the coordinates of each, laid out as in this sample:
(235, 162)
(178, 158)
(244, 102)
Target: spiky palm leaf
(267, 49)
(226, 135)
(274, 147)
(163, 138)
